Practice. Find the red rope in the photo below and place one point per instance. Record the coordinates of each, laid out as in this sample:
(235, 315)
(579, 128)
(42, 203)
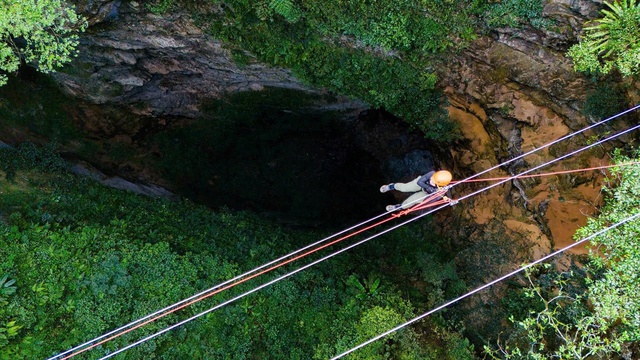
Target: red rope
(550, 173)
(219, 290)
(427, 202)
(424, 204)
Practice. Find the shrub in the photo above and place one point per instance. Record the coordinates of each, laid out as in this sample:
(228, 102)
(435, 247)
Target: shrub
(612, 42)
(604, 101)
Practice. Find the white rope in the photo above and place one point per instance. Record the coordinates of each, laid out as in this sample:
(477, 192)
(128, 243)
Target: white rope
(363, 241)
(552, 161)
(504, 277)
(266, 284)
(553, 142)
(533, 151)
(204, 292)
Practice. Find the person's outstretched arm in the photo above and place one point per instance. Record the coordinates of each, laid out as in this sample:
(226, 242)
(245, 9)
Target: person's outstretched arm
(424, 182)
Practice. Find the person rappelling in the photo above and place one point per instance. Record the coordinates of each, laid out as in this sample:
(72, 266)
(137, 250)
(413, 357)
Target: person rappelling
(422, 186)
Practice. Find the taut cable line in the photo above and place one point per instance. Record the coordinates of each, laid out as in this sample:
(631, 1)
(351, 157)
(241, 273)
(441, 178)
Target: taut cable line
(367, 239)
(553, 161)
(239, 280)
(267, 284)
(552, 143)
(284, 260)
(561, 172)
(489, 284)
(204, 292)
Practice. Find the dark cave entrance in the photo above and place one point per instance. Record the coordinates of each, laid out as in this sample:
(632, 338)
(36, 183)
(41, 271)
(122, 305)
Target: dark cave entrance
(268, 153)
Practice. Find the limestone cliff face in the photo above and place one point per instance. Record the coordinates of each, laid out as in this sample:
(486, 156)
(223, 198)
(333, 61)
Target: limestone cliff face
(137, 72)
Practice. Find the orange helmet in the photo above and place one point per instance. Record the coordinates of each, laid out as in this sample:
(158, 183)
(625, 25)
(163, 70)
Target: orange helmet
(442, 178)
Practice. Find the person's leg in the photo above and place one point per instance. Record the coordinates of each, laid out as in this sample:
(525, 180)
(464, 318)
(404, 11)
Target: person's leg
(414, 199)
(385, 188)
(408, 187)
(393, 207)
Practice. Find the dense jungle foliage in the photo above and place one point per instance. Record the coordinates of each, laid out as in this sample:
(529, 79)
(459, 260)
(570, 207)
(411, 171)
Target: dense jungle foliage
(611, 42)
(78, 259)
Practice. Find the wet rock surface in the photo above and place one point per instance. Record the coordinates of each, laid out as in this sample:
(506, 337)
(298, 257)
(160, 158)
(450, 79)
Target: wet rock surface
(512, 91)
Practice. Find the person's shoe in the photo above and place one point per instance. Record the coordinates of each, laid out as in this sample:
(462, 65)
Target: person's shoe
(391, 208)
(385, 188)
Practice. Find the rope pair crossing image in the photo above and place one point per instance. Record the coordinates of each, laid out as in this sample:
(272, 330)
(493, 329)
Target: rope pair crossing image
(394, 218)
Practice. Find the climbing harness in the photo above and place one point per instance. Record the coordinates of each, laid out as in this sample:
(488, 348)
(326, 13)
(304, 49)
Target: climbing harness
(428, 202)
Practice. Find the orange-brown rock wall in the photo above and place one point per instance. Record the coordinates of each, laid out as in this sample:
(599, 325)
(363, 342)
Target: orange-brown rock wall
(512, 91)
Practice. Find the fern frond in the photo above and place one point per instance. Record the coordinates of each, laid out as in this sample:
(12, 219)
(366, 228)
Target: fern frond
(286, 9)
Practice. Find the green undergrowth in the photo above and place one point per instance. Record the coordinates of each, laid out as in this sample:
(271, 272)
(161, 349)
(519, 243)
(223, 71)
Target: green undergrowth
(516, 13)
(78, 259)
(312, 47)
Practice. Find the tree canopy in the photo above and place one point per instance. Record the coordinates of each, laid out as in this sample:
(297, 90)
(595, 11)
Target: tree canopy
(42, 32)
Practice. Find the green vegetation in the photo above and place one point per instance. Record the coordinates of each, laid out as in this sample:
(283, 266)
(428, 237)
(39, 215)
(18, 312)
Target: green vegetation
(591, 311)
(41, 32)
(307, 39)
(605, 100)
(613, 42)
(78, 259)
(514, 13)
(378, 51)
